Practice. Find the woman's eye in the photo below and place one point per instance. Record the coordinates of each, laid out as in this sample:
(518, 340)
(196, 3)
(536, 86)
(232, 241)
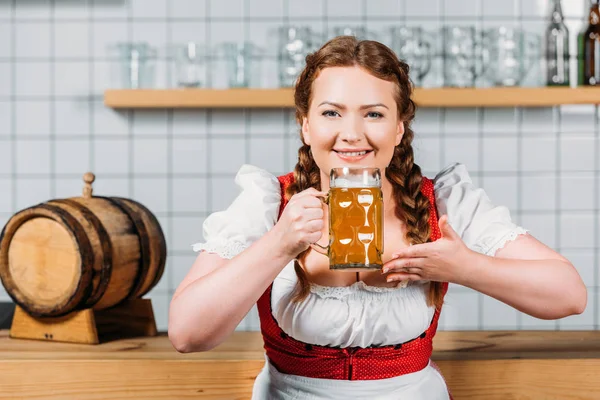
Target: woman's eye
(330, 113)
(374, 114)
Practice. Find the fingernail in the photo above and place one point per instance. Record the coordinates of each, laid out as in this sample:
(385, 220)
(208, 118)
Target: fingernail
(384, 271)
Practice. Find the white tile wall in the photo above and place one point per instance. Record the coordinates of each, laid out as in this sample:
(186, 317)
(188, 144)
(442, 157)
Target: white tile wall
(76, 78)
(153, 193)
(189, 195)
(111, 156)
(150, 156)
(308, 8)
(73, 157)
(538, 193)
(39, 9)
(6, 80)
(6, 190)
(72, 39)
(538, 154)
(33, 157)
(188, 8)
(32, 78)
(186, 227)
(32, 40)
(71, 117)
(6, 157)
(80, 9)
(31, 191)
(5, 113)
(57, 58)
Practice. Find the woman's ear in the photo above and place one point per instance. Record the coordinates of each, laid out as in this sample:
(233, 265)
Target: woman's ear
(305, 131)
(399, 132)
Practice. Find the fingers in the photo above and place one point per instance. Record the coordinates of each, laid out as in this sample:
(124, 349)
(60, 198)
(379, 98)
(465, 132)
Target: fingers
(313, 214)
(308, 198)
(413, 265)
(417, 250)
(401, 276)
(314, 226)
(310, 192)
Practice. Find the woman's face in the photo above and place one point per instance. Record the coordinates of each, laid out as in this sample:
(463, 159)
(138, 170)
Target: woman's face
(352, 120)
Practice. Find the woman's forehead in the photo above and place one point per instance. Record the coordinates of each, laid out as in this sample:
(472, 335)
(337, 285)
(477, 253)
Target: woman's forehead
(351, 86)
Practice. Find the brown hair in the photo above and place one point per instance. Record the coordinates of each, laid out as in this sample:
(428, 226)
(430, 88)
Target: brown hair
(405, 176)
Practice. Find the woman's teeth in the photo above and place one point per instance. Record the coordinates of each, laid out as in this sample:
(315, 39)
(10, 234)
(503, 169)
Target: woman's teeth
(353, 153)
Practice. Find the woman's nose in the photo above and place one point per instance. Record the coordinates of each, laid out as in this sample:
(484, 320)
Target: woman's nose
(352, 131)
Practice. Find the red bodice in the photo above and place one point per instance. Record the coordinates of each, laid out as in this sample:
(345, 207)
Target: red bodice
(291, 356)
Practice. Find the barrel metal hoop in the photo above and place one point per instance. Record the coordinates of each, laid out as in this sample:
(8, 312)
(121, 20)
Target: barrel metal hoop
(142, 234)
(162, 245)
(107, 251)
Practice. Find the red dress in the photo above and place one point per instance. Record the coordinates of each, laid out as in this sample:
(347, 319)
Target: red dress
(294, 357)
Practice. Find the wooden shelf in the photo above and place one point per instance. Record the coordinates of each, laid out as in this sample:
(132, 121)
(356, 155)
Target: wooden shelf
(283, 98)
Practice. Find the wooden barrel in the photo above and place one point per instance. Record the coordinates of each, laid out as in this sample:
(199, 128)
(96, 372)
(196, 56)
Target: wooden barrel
(81, 252)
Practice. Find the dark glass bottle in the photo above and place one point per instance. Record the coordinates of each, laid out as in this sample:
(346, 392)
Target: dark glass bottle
(591, 47)
(557, 48)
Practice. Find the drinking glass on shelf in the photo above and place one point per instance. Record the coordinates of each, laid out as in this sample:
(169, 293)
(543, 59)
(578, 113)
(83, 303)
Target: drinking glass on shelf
(243, 63)
(137, 64)
(190, 59)
(509, 53)
(413, 45)
(460, 49)
(295, 43)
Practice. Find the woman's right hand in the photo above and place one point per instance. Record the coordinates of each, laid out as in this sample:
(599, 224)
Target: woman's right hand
(301, 222)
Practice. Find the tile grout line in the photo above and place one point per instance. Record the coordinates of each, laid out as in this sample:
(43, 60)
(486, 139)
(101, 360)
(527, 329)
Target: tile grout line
(518, 114)
(557, 116)
(52, 147)
(91, 102)
(170, 165)
(13, 88)
(247, 321)
(596, 292)
(208, 120)
(480, 134)
(130, 118)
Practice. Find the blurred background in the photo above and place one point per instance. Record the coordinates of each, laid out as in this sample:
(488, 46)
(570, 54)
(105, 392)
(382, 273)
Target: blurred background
(58, 57)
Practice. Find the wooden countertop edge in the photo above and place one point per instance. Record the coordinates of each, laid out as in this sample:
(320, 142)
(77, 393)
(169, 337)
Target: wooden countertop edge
(234, 379)
(448, 345)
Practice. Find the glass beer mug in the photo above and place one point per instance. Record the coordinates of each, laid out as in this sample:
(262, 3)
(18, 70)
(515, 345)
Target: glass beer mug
(355, 204)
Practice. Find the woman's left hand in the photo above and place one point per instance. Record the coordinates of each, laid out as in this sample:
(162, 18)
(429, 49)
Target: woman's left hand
(443, 260)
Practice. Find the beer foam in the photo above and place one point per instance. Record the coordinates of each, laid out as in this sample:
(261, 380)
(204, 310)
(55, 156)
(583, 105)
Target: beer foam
(358, 182)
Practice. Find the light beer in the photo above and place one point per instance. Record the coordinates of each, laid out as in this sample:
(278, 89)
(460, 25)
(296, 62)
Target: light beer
(355, 228)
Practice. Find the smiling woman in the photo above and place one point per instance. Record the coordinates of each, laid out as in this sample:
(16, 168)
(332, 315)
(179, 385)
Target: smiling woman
(351, 117)
(324, 328)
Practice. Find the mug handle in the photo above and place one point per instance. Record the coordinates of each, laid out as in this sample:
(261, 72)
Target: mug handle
(317, 247)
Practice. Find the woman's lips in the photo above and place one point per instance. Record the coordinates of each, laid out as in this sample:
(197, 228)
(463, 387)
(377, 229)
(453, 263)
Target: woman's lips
(352, 158)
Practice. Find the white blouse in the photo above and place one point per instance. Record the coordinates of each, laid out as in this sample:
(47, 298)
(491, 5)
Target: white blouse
(356, 315)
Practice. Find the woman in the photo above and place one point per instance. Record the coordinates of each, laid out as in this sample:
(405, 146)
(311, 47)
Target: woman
(358, 335)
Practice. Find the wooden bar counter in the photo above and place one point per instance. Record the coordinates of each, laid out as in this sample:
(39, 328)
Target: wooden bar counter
(477, 365)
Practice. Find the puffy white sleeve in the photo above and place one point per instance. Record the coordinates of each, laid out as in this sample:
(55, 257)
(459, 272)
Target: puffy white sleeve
(253, 213)
(483, 226)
